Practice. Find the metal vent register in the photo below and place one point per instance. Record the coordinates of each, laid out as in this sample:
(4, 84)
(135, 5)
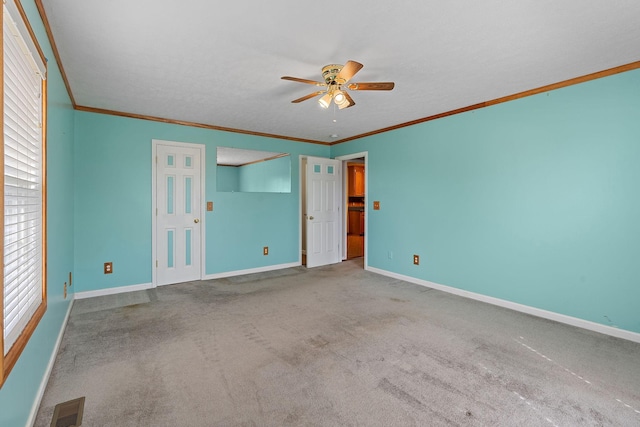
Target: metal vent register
(68, 414)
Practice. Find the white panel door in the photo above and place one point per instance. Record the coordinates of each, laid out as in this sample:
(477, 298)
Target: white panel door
(178, 249)
(324, 200)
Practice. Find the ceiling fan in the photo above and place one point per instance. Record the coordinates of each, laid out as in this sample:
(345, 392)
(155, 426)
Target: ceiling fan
(336, 78)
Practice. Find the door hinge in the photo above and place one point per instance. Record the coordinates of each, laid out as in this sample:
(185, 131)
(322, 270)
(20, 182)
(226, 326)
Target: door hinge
(156, 211)
(156, 263)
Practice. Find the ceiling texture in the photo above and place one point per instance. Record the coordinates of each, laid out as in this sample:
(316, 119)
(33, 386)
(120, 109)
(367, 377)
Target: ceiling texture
(219, 64)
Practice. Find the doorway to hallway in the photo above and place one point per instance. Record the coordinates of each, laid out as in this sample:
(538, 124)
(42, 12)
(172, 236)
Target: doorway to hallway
(355, 221)
(356, 207)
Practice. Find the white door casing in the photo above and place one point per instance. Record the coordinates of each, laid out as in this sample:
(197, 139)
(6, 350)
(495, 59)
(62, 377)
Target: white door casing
(178, 226)
(323, 210)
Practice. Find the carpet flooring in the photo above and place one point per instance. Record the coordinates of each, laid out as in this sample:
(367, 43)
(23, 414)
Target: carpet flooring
(333, 346)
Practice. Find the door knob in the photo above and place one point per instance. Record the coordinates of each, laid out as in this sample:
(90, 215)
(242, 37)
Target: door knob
(196, 220)
(311, 218)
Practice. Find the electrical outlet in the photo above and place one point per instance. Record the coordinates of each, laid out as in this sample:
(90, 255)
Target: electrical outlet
(416, 259)
(265, 250)
(376, 205)
(108, 267)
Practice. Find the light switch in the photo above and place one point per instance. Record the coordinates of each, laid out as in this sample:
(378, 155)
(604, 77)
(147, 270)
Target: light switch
(209, 206)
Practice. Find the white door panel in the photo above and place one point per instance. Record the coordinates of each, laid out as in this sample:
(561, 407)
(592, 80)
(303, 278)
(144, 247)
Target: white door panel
(178, 241)
(324, 195)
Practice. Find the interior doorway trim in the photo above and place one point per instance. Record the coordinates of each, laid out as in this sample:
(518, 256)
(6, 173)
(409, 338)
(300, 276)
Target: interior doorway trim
(203, 245)
(302, 161)
(345, 159)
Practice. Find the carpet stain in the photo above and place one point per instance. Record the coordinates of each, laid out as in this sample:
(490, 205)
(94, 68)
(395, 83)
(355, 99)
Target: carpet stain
(436, 382)
(398, 393)
(293, 419)
(318, 341)
(601, 419)
(394, 390)
(132, 307)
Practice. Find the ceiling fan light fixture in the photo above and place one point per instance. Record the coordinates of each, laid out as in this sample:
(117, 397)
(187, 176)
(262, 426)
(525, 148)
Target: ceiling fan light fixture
(336, 78)
(345, 104)
(325, 100)
(342, 100)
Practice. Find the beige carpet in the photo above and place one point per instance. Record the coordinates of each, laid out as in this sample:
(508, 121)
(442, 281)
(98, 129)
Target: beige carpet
(333, 346)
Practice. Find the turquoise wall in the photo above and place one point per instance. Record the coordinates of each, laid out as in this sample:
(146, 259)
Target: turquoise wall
(227, 178)
(113, 202)
(271, 176)
(20, 391)
(533, 201)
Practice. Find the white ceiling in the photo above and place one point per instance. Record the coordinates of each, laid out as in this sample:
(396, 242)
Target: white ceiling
(219, 63)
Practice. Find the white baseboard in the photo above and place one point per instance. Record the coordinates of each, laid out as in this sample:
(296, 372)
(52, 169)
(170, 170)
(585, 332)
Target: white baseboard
(45, 379)
(112, 291)
(251, 270)
(144, 286)
(562, 318)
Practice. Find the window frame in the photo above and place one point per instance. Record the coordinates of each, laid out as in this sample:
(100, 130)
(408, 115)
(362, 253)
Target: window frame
(8, 361)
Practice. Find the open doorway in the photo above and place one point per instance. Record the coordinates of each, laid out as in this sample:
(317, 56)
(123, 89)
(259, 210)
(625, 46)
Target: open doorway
(355, 207)
(355, 200)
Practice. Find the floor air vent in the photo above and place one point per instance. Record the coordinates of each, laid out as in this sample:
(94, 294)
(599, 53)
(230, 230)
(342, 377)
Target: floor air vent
(68, 414)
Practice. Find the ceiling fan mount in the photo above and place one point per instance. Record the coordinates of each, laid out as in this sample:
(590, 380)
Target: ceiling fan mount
(336, 77)
(330, 72)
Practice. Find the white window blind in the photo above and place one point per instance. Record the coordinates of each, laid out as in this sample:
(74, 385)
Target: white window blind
(23, 178)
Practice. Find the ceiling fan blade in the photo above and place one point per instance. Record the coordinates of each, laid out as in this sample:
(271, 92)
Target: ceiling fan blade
(350, 102)
(349, 70)
(371, 86)
(311, 95)
(296, 79)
